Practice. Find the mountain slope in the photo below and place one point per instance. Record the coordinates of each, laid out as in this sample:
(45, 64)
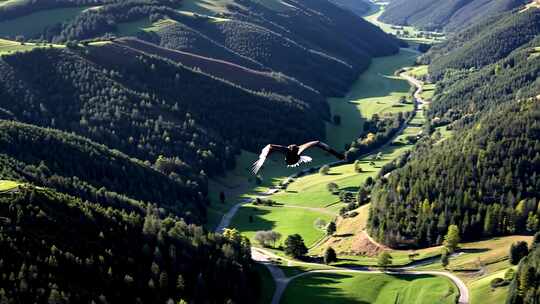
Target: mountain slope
(249, 79)
(485, 43)
(443, 14)
(313, 35)
(465, 92)
(484, 179)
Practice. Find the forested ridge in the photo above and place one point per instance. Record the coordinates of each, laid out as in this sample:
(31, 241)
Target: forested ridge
(485, 43)
(484, 179)
(80, 167)
(461, 93)
(451, 15)
(59, 249)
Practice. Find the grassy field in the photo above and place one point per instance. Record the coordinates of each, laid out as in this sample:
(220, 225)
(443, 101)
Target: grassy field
(429, 88)
(8, 47)
(344, 288)
(482, 292)
(240, 184)
(33, 24)
(491, 255)
(311, 190)
(301, 221)
(482, 262)
(376, 91)
(6, 185)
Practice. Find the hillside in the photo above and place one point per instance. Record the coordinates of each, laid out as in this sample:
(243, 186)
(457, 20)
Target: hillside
(485, 43)
(80, 167)
(114, 96)
(313, 35)
(59, 249)
(359, 7)
(252, 80)
(451, 16)
(484, 177)
(464, 92)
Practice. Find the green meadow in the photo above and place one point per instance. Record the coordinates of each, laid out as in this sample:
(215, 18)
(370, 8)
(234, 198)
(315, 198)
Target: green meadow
(6, 185)
(377, 90)
(282, 219)
(33, 24)
(345, 288)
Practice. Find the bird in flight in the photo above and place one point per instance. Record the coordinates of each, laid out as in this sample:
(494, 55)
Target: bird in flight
(293, 154)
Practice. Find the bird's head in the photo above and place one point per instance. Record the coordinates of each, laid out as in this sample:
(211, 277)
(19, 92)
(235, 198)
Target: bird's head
(293, 148)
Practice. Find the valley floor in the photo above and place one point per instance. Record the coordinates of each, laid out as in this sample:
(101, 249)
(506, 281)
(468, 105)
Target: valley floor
(306, 203)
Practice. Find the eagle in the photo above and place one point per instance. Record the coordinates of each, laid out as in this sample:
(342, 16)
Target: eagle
(293, 154)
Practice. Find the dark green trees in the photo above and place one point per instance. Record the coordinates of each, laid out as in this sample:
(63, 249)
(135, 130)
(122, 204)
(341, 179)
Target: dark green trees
(331, 228)
(524, 286)
(384, 259)
(116, 254)
(330, 255)
(518, 251)
(294, 246)
(483, 180)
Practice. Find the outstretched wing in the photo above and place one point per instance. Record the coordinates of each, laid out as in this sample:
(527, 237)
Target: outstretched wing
(320, 145)
(269, 149)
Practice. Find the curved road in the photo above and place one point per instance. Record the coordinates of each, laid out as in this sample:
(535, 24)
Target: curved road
(267, 258)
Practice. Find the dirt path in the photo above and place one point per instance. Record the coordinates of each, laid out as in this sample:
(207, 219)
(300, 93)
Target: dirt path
(227, 217)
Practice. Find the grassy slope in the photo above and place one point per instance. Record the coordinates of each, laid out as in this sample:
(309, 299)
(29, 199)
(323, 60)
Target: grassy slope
(301, 221)
(368, 288)
(481, 291)
(33, 24)
(375, 91)
(9, 46)
(6, 185)
(482, 262)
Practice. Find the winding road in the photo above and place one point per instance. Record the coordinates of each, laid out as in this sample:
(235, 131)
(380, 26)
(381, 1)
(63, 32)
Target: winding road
(267, 258)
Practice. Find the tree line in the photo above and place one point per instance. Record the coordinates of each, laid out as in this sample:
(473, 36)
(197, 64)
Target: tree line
(60, 249)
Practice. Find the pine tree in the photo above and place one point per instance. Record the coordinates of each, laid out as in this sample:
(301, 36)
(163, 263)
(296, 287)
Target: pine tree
(294, 246)
(451, 240)
(384, 260)
(331, 228)
(330, 255)
(445, 260)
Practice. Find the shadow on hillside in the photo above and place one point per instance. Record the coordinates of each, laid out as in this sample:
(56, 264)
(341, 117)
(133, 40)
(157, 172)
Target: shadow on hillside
(474, 250)
(343, 235)
(318, 286)
(257, 223)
